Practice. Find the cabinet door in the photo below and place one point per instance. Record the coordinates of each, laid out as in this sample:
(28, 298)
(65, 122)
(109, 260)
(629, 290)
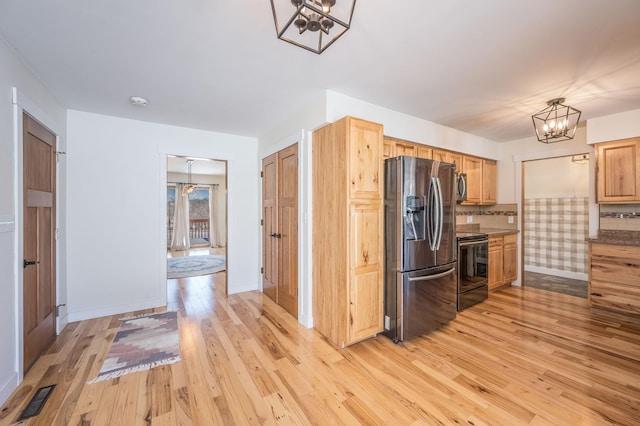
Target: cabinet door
(405, 148)
(365, 293)
(614, 277)
(425, 152)
(489, 181)
(387, 149)
(618, 165)
(496, 263)
(365, 151)
(472, 166)
(510, 258)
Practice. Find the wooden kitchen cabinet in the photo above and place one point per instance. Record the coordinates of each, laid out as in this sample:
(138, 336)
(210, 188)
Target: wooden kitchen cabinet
(472, 166)
(614, 277)
(425, 152)
(617, 169)
(496, 263)
(510, 258)
(482, 180)
(448, 157)
(347, 230)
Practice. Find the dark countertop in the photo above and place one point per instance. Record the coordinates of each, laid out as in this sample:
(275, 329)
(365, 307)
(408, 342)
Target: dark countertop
(619, 238)
(498, 232)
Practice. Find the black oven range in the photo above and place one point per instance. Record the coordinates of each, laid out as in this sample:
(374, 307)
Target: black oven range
(473, 253)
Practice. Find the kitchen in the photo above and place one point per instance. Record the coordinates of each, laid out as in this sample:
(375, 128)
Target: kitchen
(92, 140)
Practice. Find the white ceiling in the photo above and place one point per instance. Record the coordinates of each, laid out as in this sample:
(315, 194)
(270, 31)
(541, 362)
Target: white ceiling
(481, 66)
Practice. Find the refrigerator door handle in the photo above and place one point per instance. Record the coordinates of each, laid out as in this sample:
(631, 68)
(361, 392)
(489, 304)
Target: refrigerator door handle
(439, 213)
(432, 215)
(432, 277)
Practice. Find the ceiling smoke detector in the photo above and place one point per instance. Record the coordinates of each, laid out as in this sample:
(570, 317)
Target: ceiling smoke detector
(139, 101)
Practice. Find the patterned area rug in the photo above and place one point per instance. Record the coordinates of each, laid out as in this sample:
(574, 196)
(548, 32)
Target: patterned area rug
(140, 344)
(191, 266)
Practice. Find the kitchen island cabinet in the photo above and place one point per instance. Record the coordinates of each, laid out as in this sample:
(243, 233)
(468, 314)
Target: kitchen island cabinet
(347, 229)
(502, 258)
(614, 277)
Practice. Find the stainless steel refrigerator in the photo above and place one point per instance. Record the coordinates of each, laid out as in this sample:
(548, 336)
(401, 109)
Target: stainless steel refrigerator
(420, 246)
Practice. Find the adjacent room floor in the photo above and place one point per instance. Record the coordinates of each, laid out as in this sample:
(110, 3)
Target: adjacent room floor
(568, 286)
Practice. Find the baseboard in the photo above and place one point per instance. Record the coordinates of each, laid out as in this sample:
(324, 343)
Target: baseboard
(565, 274)
(8, 387)
(113, 310)
(243, 288)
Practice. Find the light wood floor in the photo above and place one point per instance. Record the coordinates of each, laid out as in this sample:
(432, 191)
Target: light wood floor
(525, 356)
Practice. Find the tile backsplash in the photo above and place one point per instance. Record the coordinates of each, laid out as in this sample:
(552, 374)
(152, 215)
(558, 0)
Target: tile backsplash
(498, 216)
(620, 217)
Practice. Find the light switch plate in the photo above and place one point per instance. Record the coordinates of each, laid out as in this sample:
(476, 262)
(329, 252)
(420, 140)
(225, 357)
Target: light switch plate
(510, 219)
(469, 219)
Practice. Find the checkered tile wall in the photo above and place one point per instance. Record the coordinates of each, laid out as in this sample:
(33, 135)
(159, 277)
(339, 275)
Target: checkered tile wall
(555, 233)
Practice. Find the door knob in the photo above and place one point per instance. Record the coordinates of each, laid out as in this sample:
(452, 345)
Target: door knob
(278, 235)
(29, 263)
(272, 235)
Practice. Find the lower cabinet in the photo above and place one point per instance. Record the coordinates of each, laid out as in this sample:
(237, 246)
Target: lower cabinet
(503, 260)
(614, 277)
(496, 263)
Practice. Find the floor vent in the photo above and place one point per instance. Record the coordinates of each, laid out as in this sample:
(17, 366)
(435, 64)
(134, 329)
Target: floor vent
(37, 402)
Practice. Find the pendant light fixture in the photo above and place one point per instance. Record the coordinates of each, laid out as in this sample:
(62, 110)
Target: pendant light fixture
(312, 24)
(557, 122)
(189, 187)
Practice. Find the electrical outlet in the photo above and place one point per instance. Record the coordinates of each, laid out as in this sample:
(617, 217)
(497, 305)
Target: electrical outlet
(469, 219)
(510, 219)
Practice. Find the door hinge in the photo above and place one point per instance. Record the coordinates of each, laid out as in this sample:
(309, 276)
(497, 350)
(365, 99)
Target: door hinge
(261, 222)
(261, 174)
(58, 309)
(261, 270)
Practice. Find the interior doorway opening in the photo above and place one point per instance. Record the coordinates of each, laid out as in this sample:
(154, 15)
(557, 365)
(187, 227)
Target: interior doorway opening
(555, 223)
(196, 237)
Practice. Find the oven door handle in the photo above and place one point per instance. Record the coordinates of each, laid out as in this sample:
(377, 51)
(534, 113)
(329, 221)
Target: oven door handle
(432, 277)
(473, 243)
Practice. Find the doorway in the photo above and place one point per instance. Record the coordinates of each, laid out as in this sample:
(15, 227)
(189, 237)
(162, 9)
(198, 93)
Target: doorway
(196, 218)
(555, 207)
(280, 228)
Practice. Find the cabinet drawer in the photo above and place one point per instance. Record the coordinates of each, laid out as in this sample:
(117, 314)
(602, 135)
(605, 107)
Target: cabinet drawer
(510, 239)
(495, 242)
(614, 296)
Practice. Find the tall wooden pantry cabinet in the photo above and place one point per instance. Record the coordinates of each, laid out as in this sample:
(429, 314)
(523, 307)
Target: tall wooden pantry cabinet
(347, 230)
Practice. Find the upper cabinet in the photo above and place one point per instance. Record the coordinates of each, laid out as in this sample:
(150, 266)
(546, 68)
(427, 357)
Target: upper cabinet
(448, 157)
(481, 173)
(617, 168)
(482, 180)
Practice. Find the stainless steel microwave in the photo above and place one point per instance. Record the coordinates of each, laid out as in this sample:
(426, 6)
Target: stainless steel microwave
(461, 187)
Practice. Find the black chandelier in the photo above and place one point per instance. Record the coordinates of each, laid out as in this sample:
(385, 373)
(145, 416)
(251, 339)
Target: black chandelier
(312, 24)
(557, 122)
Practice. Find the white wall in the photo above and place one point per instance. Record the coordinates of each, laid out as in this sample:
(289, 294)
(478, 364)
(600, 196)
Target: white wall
(117, 210)
(613, 127)
(556, 178)
(410, 128)
(36, 100)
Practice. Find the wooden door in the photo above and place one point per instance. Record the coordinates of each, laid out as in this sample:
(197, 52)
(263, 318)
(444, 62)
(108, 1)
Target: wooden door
(489, 181)
(280, 231)
(496, 265)
(270, 225)
(472, 166)
(288, 229)
(39, 252)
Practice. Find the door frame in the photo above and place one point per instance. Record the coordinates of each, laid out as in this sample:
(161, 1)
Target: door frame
(21, 103)
(518, 161)
(163, 153)
(305, 291)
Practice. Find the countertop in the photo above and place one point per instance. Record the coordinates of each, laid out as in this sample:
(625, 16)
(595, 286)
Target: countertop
(492, 232)
(619, 238)
(498, 232)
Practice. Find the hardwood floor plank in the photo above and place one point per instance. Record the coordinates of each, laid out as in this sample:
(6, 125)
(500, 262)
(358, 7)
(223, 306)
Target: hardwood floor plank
(523, 357)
